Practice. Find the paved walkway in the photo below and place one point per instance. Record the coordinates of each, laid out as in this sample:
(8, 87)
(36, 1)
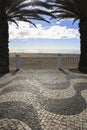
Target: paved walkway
(43, 100)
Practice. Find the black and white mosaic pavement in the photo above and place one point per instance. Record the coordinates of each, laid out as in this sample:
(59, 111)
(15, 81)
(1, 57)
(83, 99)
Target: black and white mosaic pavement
(43, 100)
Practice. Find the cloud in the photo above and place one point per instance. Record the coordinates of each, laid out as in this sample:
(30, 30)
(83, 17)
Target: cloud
(25, 30)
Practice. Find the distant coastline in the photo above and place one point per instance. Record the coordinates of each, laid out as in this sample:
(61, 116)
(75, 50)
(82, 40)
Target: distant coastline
(42, 55)
(52, 51)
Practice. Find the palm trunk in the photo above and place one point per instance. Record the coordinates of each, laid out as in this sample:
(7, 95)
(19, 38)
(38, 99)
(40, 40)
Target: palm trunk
(83, 56)
(4, 52)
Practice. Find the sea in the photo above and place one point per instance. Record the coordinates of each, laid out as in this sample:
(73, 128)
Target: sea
(54, 51)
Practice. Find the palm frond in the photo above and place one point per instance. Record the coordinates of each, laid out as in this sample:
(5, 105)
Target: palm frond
(76, 9)
(28, 10)
(41, 4)
(12, 20)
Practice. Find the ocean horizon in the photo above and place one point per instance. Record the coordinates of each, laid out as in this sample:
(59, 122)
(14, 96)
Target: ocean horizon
(63, 51)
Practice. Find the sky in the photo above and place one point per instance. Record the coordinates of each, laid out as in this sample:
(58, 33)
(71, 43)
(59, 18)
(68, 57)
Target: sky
(58, 35)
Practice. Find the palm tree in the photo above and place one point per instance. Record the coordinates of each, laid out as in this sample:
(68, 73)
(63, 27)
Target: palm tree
(18, 10)
(77, 10)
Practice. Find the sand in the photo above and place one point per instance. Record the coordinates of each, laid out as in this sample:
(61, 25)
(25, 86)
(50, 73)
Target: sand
(41, 55)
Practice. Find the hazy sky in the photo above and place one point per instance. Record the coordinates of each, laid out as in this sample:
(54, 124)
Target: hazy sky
(56, 35)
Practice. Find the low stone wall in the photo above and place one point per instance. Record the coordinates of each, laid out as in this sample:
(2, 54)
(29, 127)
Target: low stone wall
(45, 63)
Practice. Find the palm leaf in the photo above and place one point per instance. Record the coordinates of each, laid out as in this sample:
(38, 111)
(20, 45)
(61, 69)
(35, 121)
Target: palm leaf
(76, 9)
(27, 11)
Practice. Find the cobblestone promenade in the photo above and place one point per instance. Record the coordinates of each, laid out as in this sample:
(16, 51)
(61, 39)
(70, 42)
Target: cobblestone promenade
(43, 100)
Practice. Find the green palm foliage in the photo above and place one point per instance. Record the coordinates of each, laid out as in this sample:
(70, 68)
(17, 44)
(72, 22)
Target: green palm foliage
(76, 10)
(18, 10)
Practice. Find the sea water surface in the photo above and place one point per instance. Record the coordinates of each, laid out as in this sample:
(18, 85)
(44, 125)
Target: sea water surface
(63, 51)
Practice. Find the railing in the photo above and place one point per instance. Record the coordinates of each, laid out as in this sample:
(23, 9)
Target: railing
(70, 62)
(44, 63)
